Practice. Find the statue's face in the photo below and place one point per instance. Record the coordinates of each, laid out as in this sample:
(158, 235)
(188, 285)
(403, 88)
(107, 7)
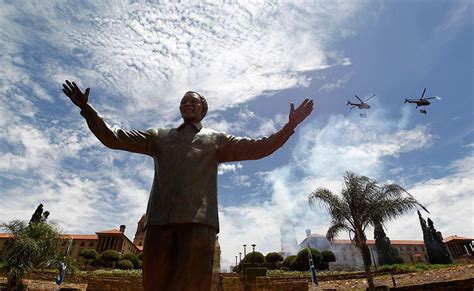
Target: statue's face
(191, 107)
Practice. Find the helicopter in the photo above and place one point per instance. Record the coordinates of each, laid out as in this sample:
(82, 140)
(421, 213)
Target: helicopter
(422, 101)
(361, 105)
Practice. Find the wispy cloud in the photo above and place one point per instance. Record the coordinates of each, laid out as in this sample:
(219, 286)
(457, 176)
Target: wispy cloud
(152, 53)
(447, 198)
(328, 87)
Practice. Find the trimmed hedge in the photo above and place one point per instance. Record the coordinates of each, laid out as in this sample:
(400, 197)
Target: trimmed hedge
(125, 265)
(301, 262)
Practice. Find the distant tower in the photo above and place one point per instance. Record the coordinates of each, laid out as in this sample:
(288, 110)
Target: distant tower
(289, 245)
(139, 235)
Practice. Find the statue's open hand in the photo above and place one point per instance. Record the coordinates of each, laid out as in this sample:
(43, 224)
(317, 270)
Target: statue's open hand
(75, 94)
(299, 114)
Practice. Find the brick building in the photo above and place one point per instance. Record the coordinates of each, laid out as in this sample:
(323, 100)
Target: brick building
(411, 251)
(112, 239)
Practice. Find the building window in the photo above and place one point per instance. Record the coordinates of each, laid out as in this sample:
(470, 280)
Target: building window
(82, 244)
(415, 249)
(401, 249)
(408, 249)
(91, 244)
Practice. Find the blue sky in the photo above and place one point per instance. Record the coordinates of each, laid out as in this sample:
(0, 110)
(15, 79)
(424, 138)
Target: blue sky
(250, 61)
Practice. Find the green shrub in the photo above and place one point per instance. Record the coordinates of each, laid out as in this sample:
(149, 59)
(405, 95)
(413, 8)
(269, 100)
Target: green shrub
(140, 256)
(301, 262)
(111, 273)
(254, 258)
(89, 254)
(287, 262)
(137, 264)
(125, 265)
(273, 258)
(108, 259)
(273, 261)
(110, 256)
(326, 258)
(97, 262)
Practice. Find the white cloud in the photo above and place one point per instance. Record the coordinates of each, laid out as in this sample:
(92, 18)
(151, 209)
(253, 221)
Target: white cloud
(328, 87)
(356, 145)
(460, 12)
(226, 168)
(151, 53)
(449, 200)
(241, 180)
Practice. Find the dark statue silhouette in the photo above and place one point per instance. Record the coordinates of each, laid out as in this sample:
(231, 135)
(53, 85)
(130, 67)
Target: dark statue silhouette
(181, 218)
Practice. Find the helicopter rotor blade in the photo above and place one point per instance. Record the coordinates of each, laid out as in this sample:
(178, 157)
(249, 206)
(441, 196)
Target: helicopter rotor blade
(369, 98)
(359, 98)
(423, 94)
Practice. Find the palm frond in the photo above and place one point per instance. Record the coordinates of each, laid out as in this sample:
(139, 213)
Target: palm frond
(334, 205)
(335, 229)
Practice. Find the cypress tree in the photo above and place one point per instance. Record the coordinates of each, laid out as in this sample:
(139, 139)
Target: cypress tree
(37, 215)
(387, 255)
(437, 252)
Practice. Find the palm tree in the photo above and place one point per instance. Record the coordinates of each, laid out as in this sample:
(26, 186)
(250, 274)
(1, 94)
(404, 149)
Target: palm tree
(363, 202)
(32, 245)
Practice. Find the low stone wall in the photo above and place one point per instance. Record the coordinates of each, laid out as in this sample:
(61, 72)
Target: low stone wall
(228, 282)
(458, 285)
(236, 282)
(95, 283)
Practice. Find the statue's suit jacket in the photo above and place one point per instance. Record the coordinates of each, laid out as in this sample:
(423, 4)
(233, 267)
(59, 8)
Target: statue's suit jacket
(186, 160)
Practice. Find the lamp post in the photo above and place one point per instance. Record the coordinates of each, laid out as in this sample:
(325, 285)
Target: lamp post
(253, 248)
(240, 257)
(245, 250)
(236, 261)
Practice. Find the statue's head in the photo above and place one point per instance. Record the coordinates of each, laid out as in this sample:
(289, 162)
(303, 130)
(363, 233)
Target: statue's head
(193, 107)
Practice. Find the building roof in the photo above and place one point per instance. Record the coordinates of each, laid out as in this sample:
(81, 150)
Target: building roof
(455, 237)
(316, 235)
(110, 231)
(79, 236)
(63, 236)
(369, 241)
(372, 242)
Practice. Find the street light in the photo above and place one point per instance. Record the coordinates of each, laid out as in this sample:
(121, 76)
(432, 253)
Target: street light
(245, 250)
(236, 261)
(253, 248)
(240, 257)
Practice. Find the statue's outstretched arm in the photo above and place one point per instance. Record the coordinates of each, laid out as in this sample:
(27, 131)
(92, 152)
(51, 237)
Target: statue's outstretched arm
(115, 138)
(231, 148)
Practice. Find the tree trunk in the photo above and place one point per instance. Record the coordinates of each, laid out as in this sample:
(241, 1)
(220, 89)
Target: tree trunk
(361, 243)
(370, 280)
